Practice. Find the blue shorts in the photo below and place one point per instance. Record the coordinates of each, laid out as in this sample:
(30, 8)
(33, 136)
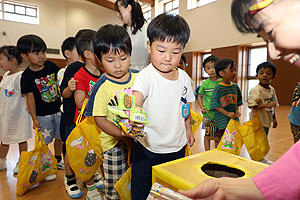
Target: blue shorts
(50, 126)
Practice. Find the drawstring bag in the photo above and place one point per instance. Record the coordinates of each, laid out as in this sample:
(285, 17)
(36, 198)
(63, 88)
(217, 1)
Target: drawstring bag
(196, 120)
(123, 185)
(255, 138)
(35, 165)
(231, 140)
(83, 147)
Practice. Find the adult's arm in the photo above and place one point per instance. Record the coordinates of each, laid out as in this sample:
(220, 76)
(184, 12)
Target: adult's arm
(225, 188)
(281, 179)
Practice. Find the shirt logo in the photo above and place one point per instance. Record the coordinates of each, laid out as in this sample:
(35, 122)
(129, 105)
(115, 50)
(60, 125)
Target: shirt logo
(48, 88)
(8, 93)
(229, 99)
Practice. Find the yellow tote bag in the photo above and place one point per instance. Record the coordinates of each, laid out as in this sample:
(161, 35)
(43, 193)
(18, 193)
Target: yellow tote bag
(231, 140)
(35, 165)
(83, 147)
(196, 120)
(255, 138)
(90, 131)
(123, 186)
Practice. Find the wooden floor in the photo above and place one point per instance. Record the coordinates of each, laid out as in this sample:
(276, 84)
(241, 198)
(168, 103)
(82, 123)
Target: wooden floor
(280, 141)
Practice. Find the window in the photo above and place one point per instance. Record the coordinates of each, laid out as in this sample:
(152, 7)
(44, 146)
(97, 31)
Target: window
(147, 12)
(1, 15)
(191, 4)
(172, 7)
(19, 12)
(256, 56)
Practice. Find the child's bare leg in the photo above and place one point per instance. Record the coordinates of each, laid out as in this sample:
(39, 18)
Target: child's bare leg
(102, 170)
(92, 192)
(218, 135)
(206, 143)
(23, 146)
(217, 141)
(69, 171)
(3, 150)
(57, 147)
(90, 182)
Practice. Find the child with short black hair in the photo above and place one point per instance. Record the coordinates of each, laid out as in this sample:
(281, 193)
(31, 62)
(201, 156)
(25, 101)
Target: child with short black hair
(85, 78)
(262, 98)
(226, 97)
(112, 46)
(88, 75)
(164, 92)
(204, 97)
(40, 88)
(69, 51)
(12, 107)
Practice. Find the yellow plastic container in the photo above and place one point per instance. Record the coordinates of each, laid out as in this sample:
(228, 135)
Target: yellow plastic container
(186, 173)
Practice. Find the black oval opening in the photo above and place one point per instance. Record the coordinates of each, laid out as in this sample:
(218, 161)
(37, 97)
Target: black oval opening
(218, 171)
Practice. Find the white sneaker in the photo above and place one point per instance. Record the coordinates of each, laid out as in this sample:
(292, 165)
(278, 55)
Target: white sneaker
(73, 190)
(266, 161)
(16, 169)
(61, 165)
(50, 177)
(2, 164)
(98, 180)
(93, 195)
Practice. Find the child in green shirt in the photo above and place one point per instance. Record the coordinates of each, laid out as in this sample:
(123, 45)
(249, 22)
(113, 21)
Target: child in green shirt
(205, 94)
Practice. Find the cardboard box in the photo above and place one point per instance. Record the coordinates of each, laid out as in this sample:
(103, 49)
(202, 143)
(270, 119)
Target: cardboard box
(186, 173)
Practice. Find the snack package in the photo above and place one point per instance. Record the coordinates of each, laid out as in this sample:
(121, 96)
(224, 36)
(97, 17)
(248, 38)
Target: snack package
(126, 101)
(117, 111)
(139, 116)
(132, 120)
(159, 192)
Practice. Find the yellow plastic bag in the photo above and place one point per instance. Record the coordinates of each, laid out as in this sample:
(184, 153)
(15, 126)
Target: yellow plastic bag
(90, 131)
(83, 147)
(123, 186)
(231, 141)
(255, 138)
(35, 165)
(196, 120)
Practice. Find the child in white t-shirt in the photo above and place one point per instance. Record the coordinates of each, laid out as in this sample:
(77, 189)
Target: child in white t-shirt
(15, 121)
(164, 92)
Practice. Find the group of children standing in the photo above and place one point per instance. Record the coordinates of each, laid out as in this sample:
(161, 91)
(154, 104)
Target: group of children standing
(161, 89)
(220, 98)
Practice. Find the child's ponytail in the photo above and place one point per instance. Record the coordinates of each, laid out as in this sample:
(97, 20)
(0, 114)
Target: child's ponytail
(11, 52)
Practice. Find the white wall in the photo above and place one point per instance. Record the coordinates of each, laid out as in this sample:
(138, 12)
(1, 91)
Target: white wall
(211, 27)
(51, 29)
(89, 15)
(58, 19)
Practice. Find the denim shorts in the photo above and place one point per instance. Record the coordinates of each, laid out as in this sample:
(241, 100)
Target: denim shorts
(50, 126)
